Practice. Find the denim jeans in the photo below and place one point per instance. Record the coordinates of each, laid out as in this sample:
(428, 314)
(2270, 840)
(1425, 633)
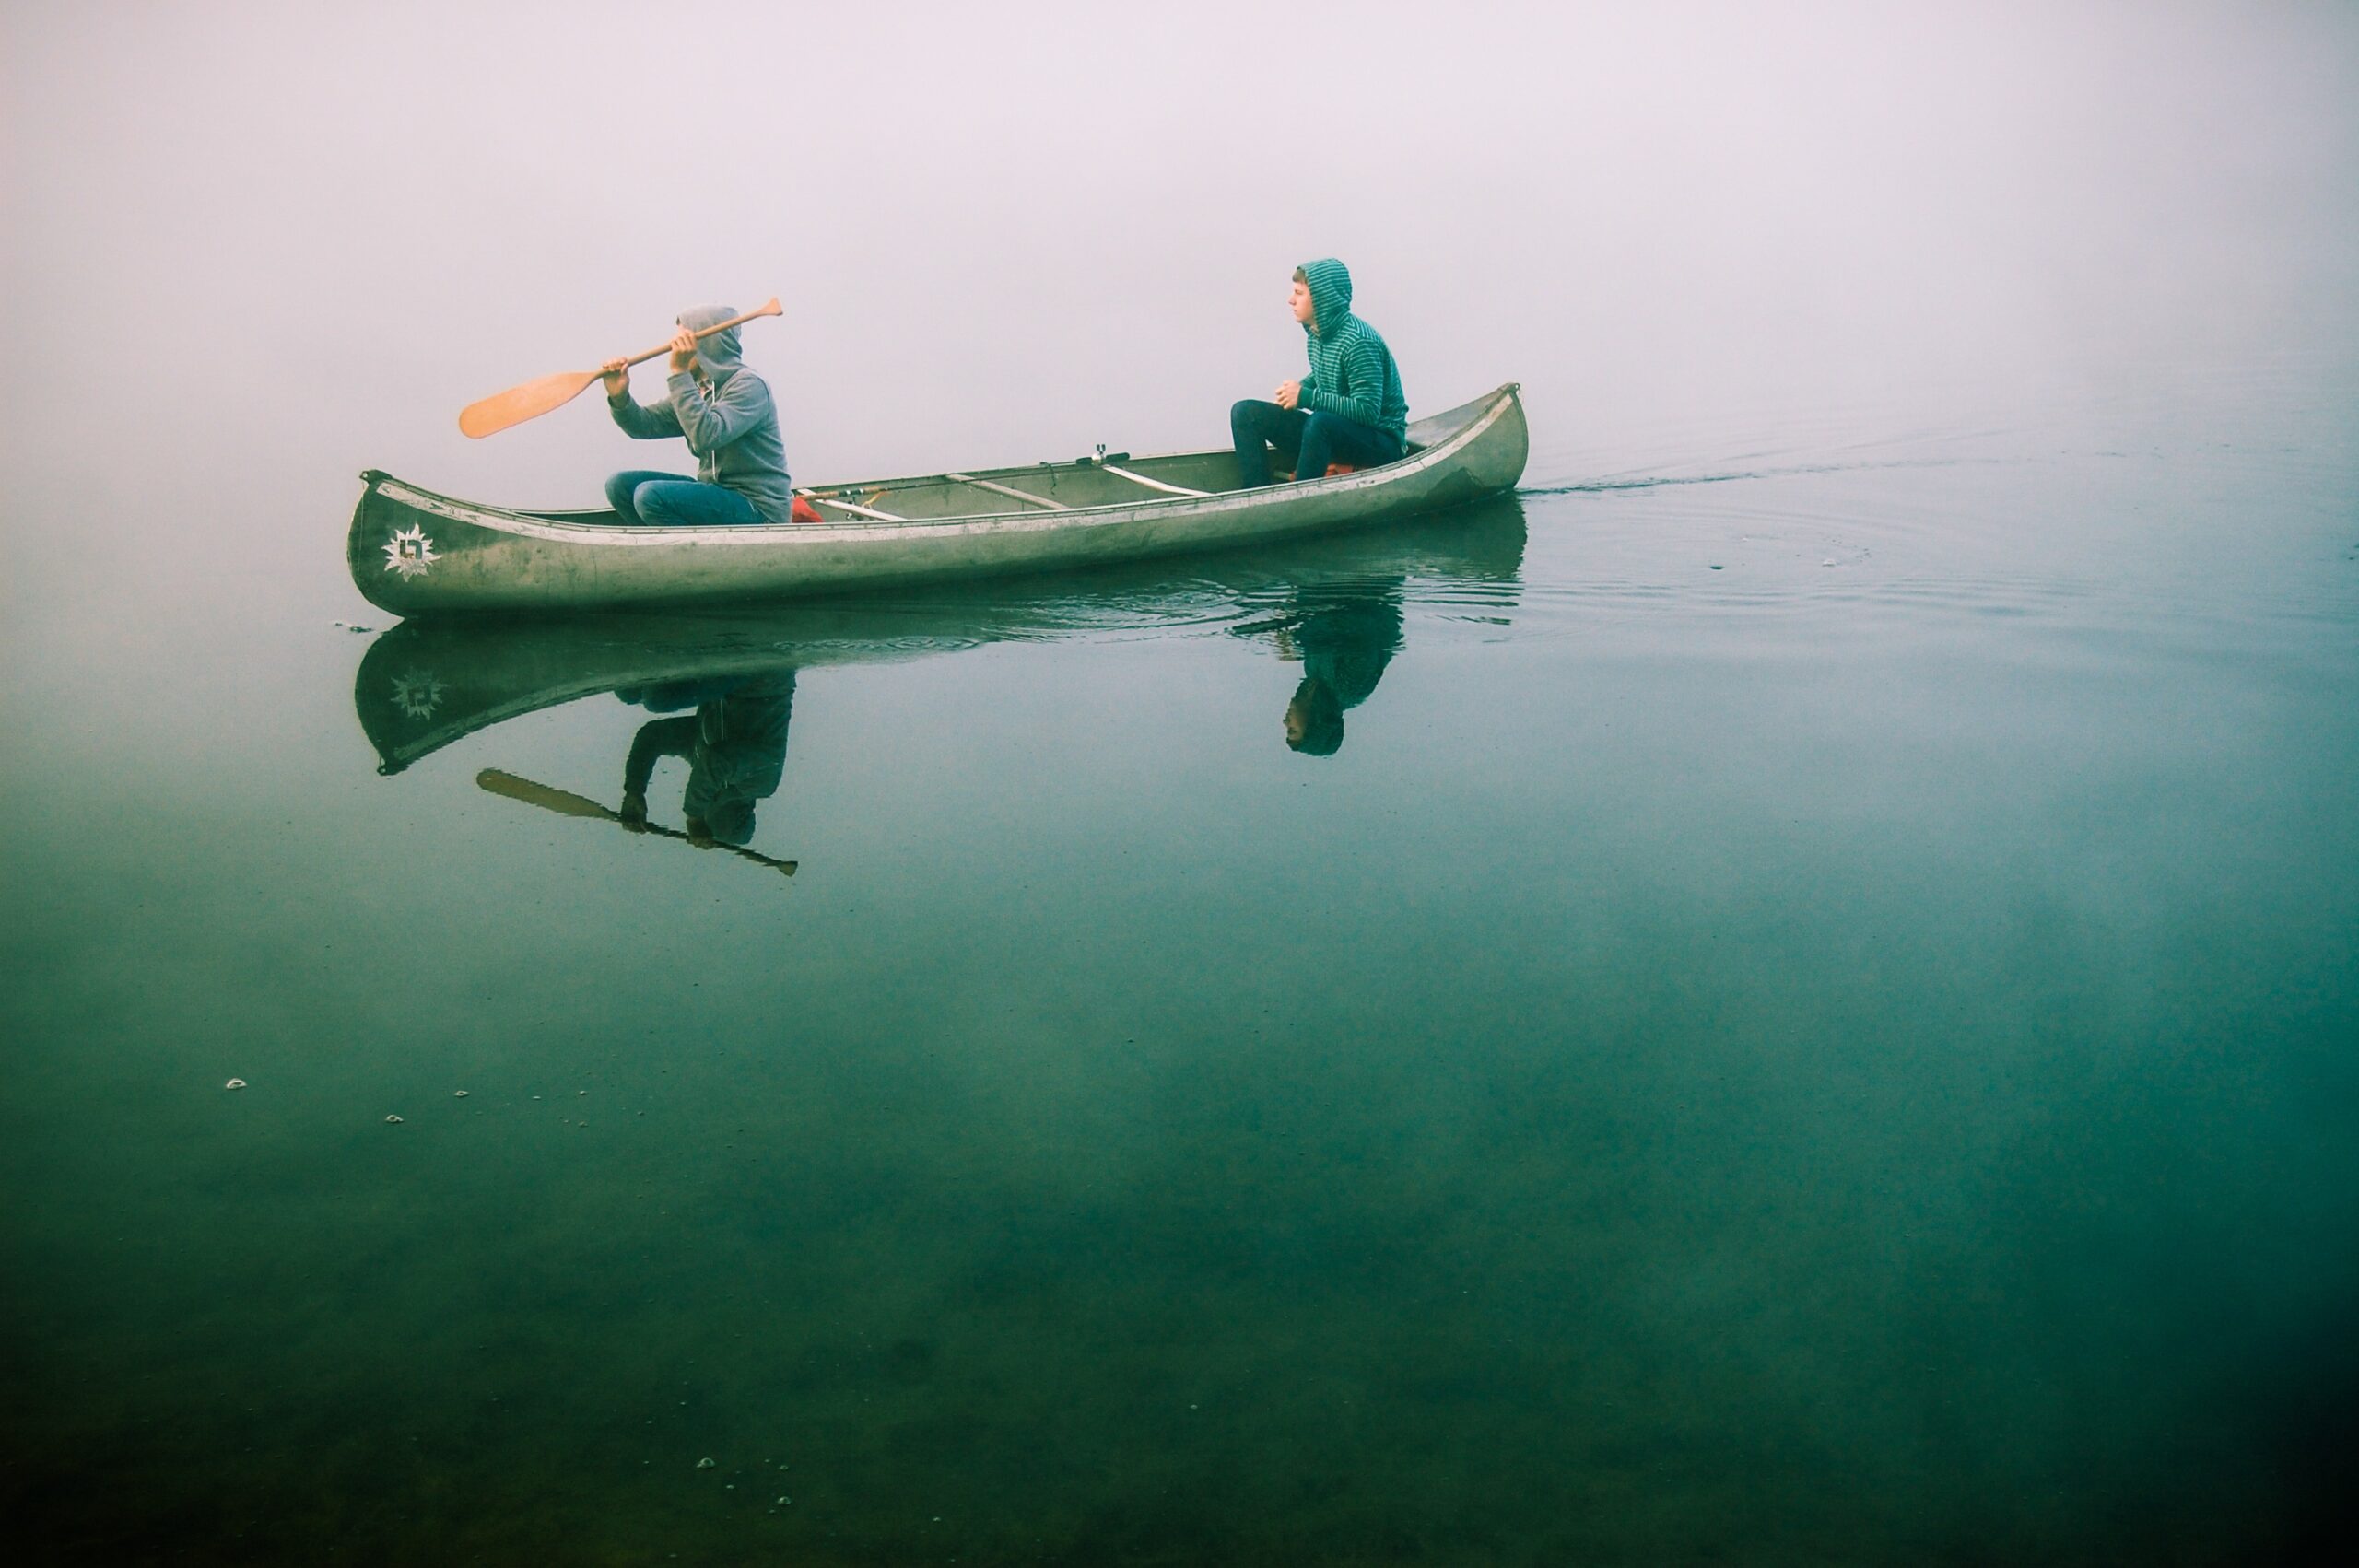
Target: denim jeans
(649, 495)
(1308, 442)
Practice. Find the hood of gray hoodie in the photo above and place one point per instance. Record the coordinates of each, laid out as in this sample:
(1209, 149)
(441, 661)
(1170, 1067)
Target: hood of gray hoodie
(717, 354)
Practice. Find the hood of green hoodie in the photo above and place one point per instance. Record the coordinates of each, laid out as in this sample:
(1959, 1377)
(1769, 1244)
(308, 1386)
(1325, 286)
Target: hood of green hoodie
(718, 353)
(1330, 291)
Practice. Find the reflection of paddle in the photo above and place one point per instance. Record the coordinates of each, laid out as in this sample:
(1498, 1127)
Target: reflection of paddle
(569, 804)
(535, 398)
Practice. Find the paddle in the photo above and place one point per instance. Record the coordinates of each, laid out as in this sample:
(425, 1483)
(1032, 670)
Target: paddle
(567, 804)
(535, 398)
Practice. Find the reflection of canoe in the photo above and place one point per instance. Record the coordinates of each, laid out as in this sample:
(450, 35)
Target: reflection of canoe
(413, 552)
(425, 684)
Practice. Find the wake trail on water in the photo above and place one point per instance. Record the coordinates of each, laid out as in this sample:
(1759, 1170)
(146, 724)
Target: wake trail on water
(1616, 482)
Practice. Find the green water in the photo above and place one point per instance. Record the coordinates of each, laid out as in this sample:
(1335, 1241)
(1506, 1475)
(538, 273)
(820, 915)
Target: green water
(1808, 1019)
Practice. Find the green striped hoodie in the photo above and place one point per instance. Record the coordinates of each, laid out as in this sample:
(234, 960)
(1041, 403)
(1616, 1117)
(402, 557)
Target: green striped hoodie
(1351, 373)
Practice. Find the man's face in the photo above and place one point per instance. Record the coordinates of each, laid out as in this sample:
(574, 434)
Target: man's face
(1300, 300)
(1297, 724)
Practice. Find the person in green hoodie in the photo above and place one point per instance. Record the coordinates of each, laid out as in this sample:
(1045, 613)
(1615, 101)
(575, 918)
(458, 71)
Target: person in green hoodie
(1343, 639)
(1350, 408)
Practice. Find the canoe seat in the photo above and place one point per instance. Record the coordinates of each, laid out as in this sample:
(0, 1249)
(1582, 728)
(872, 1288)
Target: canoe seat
(804, 511)
(1335, 468)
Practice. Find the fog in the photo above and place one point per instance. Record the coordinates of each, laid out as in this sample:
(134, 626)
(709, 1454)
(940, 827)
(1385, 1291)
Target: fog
(252, 249)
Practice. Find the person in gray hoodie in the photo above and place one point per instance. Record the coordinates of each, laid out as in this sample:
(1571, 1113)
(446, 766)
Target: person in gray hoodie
(725, 412)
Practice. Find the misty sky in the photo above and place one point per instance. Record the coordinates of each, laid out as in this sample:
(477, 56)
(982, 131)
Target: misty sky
(290, 242)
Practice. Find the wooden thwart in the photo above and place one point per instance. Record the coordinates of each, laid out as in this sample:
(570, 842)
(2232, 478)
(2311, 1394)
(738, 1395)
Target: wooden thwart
(1152, 483)
(995, 487)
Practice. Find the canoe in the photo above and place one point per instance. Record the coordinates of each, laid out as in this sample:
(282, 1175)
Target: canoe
(428, 682)
(413, 552)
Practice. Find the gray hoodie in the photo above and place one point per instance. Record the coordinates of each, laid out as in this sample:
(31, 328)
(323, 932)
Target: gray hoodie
(724, 411)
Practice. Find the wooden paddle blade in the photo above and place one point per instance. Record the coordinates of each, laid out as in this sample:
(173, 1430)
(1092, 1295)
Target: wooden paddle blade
(528, 401)
(540, 795)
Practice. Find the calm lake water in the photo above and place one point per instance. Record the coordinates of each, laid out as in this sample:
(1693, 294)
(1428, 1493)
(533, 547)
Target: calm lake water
(1808, 1018)
(1806, 1014)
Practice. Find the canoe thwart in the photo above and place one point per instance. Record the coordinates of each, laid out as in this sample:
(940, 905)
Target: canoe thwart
(997, 489)
(1151, 484)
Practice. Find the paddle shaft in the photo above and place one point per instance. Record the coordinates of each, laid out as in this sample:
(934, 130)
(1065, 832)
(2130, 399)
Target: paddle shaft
(565, 803)
(502, 410)
(665, 347)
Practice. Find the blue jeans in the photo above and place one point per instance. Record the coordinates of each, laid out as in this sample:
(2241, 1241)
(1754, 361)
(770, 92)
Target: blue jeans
(1308, 442)
(649, 495)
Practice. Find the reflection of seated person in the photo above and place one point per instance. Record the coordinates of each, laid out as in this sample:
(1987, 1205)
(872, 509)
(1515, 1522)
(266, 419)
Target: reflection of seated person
(1343, 648)
(735, 743)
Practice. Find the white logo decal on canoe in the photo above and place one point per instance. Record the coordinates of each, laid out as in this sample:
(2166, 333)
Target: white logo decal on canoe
(410, 552)
(417, 694)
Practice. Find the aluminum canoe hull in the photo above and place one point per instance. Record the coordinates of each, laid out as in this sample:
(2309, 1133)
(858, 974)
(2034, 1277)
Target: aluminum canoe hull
(413, 552)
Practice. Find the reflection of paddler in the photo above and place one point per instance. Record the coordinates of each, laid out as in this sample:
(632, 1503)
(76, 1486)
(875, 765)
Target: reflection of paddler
(1343, 648)
(735, 743)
